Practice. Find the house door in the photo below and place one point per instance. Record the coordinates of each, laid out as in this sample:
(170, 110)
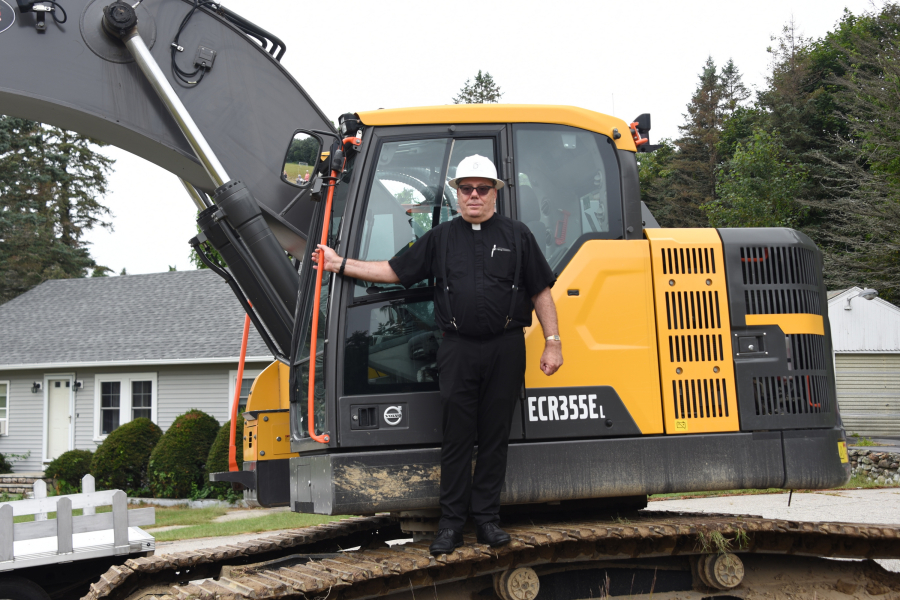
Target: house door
(58, 417)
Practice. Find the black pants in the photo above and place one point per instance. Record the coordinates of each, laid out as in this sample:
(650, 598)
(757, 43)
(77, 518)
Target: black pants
(480, 382)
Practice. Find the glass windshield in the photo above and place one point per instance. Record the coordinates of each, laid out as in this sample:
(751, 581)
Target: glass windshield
(568, 186)
(410, 195)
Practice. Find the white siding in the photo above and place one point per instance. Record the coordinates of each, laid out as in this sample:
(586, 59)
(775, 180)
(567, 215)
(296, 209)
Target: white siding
(868, 389)
(26, 412)
(870, 326)
(203, 388)
(179, 389)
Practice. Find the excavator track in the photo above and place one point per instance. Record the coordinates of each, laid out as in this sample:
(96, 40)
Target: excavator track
(310, 563)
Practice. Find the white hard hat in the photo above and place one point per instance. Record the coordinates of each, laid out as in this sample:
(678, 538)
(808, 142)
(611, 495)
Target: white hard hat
(476, 166)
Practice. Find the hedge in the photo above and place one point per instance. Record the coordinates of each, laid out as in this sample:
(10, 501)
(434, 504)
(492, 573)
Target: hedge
(178, 463)
(120, 463)
(217, 461)
(67, 470)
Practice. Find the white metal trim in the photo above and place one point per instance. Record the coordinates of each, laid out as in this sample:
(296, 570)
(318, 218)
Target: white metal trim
(8, 402)
(124, 406)
(133, 363)
(46, 386)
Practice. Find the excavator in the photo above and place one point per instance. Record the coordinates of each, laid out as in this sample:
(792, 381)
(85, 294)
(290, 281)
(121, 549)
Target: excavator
(696, 359)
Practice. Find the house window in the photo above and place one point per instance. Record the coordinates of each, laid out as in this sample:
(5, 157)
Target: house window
(121, 398)
(4, 407)
(110, 409)
(141, 399)
(246, 383)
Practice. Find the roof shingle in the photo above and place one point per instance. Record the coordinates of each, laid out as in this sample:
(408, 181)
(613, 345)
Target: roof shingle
(178, 316)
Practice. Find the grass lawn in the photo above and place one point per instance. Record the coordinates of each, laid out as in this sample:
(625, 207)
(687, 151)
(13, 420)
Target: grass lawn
(293, 169)
(201, 525)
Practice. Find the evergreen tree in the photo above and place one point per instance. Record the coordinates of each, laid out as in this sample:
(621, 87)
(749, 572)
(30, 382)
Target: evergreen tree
(49, 183)
(694, 166)
(861, 197)
(482, 91)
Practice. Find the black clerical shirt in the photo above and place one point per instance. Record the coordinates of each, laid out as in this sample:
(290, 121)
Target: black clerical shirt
(481, 265)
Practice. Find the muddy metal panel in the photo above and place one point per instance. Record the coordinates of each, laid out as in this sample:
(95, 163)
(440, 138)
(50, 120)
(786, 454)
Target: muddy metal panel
(247, 105)
(391, 480)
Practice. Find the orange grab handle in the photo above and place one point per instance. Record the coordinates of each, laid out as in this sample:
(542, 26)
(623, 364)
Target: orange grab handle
(310, 405)
(232, 448)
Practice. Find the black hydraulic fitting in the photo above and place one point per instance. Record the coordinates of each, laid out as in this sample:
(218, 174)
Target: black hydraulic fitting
(119, 18)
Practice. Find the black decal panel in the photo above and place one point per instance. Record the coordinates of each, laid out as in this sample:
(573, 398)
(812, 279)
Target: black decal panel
(576, 412)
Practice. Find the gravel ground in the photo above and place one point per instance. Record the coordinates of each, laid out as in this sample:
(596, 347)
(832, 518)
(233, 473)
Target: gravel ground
(880, 506)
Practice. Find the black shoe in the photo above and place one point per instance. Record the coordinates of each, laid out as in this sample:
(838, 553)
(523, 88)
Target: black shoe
(492, 535)
(447, 541)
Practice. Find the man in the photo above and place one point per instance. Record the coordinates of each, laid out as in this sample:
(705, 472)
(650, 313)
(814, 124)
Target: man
(479, 263)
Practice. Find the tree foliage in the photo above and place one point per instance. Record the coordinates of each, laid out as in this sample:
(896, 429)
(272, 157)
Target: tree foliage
(816, 149)
(759, 189)
(303, 151)
(484, 90)
(50, 182)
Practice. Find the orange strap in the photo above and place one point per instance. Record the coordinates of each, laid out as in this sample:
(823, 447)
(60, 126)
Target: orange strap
(232, 448)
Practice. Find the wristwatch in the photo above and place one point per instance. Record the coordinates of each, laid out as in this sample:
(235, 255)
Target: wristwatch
(552, 338)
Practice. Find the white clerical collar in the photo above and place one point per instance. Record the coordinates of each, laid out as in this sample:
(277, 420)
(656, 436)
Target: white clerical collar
(476, 226)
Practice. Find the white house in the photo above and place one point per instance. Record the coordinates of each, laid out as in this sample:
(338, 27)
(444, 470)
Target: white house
(866, 337)
(80, 357)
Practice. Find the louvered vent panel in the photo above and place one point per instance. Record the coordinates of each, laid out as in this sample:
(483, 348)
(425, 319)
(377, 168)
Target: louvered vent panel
(780, 280)
(693, 322)
(804, 390)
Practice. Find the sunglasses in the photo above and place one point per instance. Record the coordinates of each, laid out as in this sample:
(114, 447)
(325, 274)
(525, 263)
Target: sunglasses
(468, 189)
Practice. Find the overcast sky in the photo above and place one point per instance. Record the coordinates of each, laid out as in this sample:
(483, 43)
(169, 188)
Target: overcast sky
(616, 57)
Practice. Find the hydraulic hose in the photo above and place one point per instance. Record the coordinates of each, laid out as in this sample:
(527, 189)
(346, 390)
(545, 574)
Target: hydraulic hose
(232, 448)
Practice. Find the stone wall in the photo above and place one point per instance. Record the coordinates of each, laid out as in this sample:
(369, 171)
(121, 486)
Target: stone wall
(881, 467)
(20, 483)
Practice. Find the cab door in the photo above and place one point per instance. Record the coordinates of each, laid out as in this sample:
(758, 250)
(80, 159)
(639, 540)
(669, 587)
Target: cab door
(569, 192)
(387, 387)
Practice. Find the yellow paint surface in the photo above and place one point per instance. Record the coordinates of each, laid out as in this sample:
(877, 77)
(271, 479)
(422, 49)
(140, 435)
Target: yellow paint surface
(503, 113)
(842, 452)
(607, 331)
(270, 392)
(693, 324)
(791, 324)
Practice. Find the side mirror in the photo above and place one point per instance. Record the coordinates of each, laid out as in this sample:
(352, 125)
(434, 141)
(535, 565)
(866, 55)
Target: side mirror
(302, 158)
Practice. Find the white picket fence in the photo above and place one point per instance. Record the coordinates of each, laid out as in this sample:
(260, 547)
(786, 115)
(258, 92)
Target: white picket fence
(67, 537)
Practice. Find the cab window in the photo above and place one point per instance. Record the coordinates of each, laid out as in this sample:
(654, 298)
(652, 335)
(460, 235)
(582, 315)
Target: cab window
(568, 186)
(409, 196)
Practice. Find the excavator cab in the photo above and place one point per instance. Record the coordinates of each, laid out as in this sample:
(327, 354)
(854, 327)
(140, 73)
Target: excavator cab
(653, 321)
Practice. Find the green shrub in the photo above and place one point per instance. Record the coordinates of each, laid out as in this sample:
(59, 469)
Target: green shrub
(217, 461)
(120, 463)
(179, 458)
(68, 469)
(5, 465)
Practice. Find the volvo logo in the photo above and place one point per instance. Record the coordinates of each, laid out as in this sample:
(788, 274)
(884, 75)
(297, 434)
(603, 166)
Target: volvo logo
(393, 415)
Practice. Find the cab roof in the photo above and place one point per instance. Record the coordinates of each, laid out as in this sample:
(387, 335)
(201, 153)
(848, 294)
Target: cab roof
(503, 113)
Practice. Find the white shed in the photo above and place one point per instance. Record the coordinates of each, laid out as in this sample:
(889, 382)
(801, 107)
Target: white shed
(866, 337)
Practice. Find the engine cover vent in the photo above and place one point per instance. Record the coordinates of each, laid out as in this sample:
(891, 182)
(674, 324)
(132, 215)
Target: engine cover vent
(693, 327)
